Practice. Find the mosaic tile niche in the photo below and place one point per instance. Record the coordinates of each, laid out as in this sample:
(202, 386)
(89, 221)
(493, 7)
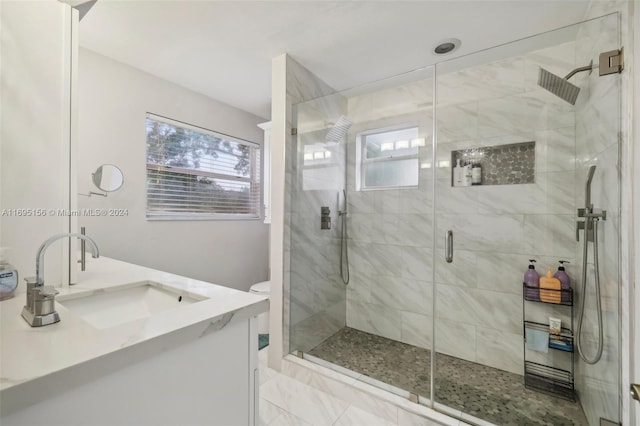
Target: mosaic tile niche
(510, 164)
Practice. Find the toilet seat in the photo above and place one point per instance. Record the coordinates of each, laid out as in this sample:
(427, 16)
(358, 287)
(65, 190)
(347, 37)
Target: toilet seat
(262, 288)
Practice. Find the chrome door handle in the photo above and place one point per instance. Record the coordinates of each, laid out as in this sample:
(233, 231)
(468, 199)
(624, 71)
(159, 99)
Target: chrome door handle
(449, 247)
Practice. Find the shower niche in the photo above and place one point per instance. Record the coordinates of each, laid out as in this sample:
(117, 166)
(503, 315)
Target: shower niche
(510, 164)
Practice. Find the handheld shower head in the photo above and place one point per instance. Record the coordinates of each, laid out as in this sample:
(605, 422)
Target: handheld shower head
(587, 189)
(339, 129)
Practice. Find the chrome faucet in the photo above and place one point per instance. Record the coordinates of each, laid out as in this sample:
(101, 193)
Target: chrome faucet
(40, 307)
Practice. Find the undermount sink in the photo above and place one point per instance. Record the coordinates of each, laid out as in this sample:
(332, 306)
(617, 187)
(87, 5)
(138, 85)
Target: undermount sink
(113, 306)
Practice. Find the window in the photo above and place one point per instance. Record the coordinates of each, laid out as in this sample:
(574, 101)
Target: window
(389, 158)
(194, 173)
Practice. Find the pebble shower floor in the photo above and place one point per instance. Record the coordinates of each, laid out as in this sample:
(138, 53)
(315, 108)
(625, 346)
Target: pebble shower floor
(487, 393)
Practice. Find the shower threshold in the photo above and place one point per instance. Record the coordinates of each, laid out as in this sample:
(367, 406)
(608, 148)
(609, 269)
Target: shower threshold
(484, 392)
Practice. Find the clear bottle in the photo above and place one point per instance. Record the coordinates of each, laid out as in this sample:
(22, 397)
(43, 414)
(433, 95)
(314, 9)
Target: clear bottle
(476, 174)
(532, 282)
(458, 172)
(565, 282)
(8, 277)
(467, 175)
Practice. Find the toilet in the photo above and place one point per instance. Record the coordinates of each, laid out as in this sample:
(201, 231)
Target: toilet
(263, 289)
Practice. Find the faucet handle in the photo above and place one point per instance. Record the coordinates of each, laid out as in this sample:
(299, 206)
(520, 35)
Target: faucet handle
(47, 291)
(32, 282)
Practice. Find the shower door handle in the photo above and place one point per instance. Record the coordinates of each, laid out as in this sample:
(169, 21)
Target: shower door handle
(449, 247)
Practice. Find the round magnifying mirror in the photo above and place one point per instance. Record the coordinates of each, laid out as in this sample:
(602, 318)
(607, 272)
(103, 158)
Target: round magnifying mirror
(108, 178)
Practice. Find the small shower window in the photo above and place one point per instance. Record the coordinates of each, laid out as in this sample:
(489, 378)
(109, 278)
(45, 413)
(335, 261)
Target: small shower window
(388, 158)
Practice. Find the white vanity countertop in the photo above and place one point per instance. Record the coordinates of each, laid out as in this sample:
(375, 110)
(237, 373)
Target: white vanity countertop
(33, 361)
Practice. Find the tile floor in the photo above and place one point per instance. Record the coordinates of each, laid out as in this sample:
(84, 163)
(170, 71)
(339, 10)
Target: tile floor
(287, 401)
(488, 393)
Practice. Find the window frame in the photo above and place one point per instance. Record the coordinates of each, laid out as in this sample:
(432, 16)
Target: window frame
(253, 179)
(362, 160)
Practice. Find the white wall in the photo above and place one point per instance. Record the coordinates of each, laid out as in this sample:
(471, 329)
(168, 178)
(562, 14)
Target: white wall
(35, 88)
(113, 101)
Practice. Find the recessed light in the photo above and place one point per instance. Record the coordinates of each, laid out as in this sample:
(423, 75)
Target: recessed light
(446, 46)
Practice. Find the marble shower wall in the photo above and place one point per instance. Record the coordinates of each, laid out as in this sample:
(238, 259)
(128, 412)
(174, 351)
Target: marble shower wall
(496, 228)
(314, 304)
(598, 119)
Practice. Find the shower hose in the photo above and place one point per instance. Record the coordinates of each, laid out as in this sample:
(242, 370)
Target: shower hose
(590, 221)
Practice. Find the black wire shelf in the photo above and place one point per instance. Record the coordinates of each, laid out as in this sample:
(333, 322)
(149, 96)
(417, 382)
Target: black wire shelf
(547, 295)
(561, 342)
(550, 380)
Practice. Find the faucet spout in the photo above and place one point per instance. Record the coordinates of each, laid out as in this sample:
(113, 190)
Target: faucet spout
(43, 248)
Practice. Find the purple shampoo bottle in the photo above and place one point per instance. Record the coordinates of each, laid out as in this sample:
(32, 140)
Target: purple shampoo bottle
(565, 282)
(532, 282)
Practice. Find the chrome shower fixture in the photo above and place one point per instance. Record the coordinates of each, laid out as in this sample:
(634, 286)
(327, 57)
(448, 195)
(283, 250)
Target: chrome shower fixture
(590, 226)
(609, 63)
(339, 129)
(344, 247)
(561, 86)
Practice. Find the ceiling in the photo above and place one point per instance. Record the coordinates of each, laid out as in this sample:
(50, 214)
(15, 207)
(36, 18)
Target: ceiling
(223, 49)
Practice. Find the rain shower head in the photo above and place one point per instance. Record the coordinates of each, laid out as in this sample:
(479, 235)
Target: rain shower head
(339, 129)
(561, 86)
(558, 86)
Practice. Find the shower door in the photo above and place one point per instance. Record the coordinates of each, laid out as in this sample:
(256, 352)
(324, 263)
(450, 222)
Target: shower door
(523, 153)
(360, 289)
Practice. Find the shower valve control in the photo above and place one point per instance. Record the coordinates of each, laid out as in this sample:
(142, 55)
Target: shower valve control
(325, 218)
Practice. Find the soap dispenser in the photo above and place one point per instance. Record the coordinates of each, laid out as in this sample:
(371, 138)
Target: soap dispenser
(8, 276)
(532, 282)
(565, 281)
(550, 288)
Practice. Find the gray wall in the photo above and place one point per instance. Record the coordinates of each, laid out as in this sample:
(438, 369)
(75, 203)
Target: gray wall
(113, 101)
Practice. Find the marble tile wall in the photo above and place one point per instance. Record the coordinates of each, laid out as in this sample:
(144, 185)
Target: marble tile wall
(478, 306)
(598, 119)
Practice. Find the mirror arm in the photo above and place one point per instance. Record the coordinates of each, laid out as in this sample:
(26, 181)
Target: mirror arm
(92, 193)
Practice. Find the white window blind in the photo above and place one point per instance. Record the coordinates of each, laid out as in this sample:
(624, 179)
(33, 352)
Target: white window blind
(195, 173)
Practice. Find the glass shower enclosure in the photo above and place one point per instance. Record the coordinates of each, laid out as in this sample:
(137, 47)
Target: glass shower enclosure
(416, 204)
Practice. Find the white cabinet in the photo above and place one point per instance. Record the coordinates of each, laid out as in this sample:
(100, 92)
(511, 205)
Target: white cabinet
(211, 380)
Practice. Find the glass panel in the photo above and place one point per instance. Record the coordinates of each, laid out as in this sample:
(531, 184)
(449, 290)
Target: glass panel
(498, 359)
(378, 325)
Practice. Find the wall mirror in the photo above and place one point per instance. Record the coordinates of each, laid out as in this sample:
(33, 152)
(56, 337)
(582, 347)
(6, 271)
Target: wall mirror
(108, 178)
